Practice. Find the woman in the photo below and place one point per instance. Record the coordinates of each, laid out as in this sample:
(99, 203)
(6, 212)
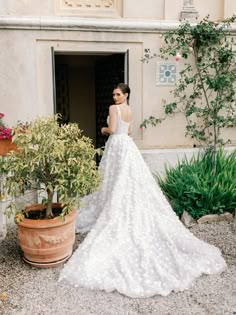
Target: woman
(136, 244)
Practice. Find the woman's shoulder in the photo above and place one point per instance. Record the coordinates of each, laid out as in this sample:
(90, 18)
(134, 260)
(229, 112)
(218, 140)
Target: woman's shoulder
(112, 108)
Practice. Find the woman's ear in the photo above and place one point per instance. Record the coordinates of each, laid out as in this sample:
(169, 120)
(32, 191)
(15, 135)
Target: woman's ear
(126, 95)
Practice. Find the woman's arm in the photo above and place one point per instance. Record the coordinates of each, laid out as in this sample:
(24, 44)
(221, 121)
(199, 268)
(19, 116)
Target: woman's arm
(112, 121)
(130, 127)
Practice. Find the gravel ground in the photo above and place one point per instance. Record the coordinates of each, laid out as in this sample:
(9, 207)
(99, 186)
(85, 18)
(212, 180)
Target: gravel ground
(36, 291)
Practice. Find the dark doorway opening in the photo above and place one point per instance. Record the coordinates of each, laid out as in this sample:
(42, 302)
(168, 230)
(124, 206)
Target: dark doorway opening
(83, 87)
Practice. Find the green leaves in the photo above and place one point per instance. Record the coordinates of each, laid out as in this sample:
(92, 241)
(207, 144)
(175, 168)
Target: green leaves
(194, 186)
(205, 92)
(153, 121)
(55, 158)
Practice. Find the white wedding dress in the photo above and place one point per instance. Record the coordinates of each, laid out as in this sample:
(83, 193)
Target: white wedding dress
(136, 244)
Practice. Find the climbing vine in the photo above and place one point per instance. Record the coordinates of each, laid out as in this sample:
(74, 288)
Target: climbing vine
(205, 92)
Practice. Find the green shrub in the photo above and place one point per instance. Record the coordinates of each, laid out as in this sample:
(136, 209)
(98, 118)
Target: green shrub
(199, 188)
(53, 158)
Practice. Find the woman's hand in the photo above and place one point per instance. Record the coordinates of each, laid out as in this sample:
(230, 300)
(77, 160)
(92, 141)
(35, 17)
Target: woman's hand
(104, 131)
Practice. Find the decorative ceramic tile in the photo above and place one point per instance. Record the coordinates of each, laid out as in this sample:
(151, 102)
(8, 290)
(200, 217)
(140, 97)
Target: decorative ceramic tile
(167, 73)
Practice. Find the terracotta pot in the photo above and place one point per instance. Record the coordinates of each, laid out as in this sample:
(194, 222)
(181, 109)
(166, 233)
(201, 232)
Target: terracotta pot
(6, 145)
(49, 242)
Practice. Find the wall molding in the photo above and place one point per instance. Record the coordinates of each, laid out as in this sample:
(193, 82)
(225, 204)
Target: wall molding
(89, 24)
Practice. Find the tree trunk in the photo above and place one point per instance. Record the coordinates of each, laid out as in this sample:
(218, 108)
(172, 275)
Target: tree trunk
(214, 149)
(49, 213)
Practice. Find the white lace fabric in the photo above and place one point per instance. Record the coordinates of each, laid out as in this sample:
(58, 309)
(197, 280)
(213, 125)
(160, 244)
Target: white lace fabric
(136, 244)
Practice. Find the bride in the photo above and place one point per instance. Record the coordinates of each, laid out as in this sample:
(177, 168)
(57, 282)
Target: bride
(136, 243)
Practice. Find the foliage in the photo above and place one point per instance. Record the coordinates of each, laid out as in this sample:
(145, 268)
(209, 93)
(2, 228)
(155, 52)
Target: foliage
(192, 185)
(5, 132)
(52, 158)
(205, 92)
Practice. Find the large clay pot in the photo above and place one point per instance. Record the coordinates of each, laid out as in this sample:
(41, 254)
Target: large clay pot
(49, 242)
(6, 145)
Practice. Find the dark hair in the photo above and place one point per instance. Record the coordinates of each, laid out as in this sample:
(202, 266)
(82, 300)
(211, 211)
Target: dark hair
(124, 88)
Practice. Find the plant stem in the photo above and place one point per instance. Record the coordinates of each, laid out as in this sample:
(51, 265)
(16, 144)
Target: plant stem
(49, 213)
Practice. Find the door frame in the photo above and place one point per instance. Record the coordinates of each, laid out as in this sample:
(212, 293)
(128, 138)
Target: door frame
(53, 53)
(85, 46)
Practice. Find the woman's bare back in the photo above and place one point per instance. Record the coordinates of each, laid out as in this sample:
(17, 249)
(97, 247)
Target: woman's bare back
(126, 113)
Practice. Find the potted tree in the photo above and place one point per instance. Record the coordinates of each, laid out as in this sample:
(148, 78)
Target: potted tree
(58, 162)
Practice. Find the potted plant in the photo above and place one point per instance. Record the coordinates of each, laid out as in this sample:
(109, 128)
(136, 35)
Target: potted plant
(58, 162)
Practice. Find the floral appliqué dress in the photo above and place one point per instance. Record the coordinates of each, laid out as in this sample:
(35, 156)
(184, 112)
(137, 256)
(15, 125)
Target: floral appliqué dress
(136, 243)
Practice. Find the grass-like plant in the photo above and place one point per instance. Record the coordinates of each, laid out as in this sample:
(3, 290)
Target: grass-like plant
(193, 185)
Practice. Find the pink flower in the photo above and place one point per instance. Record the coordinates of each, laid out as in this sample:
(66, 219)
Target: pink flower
(142, 128)
(178, 57)
(5, 132)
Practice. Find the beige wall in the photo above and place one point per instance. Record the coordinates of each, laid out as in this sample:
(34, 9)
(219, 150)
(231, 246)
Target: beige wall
(18, 75)
(27, 7)
(29, 57)
(131, 9)
(26, 66)
(148, 9)
(172, 9)
(229, 8)
(213, 7)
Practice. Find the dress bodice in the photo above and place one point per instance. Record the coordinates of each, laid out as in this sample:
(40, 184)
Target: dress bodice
(122, 126)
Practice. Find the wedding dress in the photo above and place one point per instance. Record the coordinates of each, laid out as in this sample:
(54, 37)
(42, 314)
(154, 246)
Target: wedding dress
(136, 244)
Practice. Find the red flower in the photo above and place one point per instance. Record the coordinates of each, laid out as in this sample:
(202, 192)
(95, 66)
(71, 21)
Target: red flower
(5, 132)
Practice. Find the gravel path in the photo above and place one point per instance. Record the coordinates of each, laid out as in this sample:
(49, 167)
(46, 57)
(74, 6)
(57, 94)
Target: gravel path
(32, 291)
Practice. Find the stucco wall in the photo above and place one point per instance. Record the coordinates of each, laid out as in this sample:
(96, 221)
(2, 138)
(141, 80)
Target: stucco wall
(131, 9)
(18, 78)
(26, 78)
(27, 7)
(213, 7)
(26, 64)
(148, 9)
